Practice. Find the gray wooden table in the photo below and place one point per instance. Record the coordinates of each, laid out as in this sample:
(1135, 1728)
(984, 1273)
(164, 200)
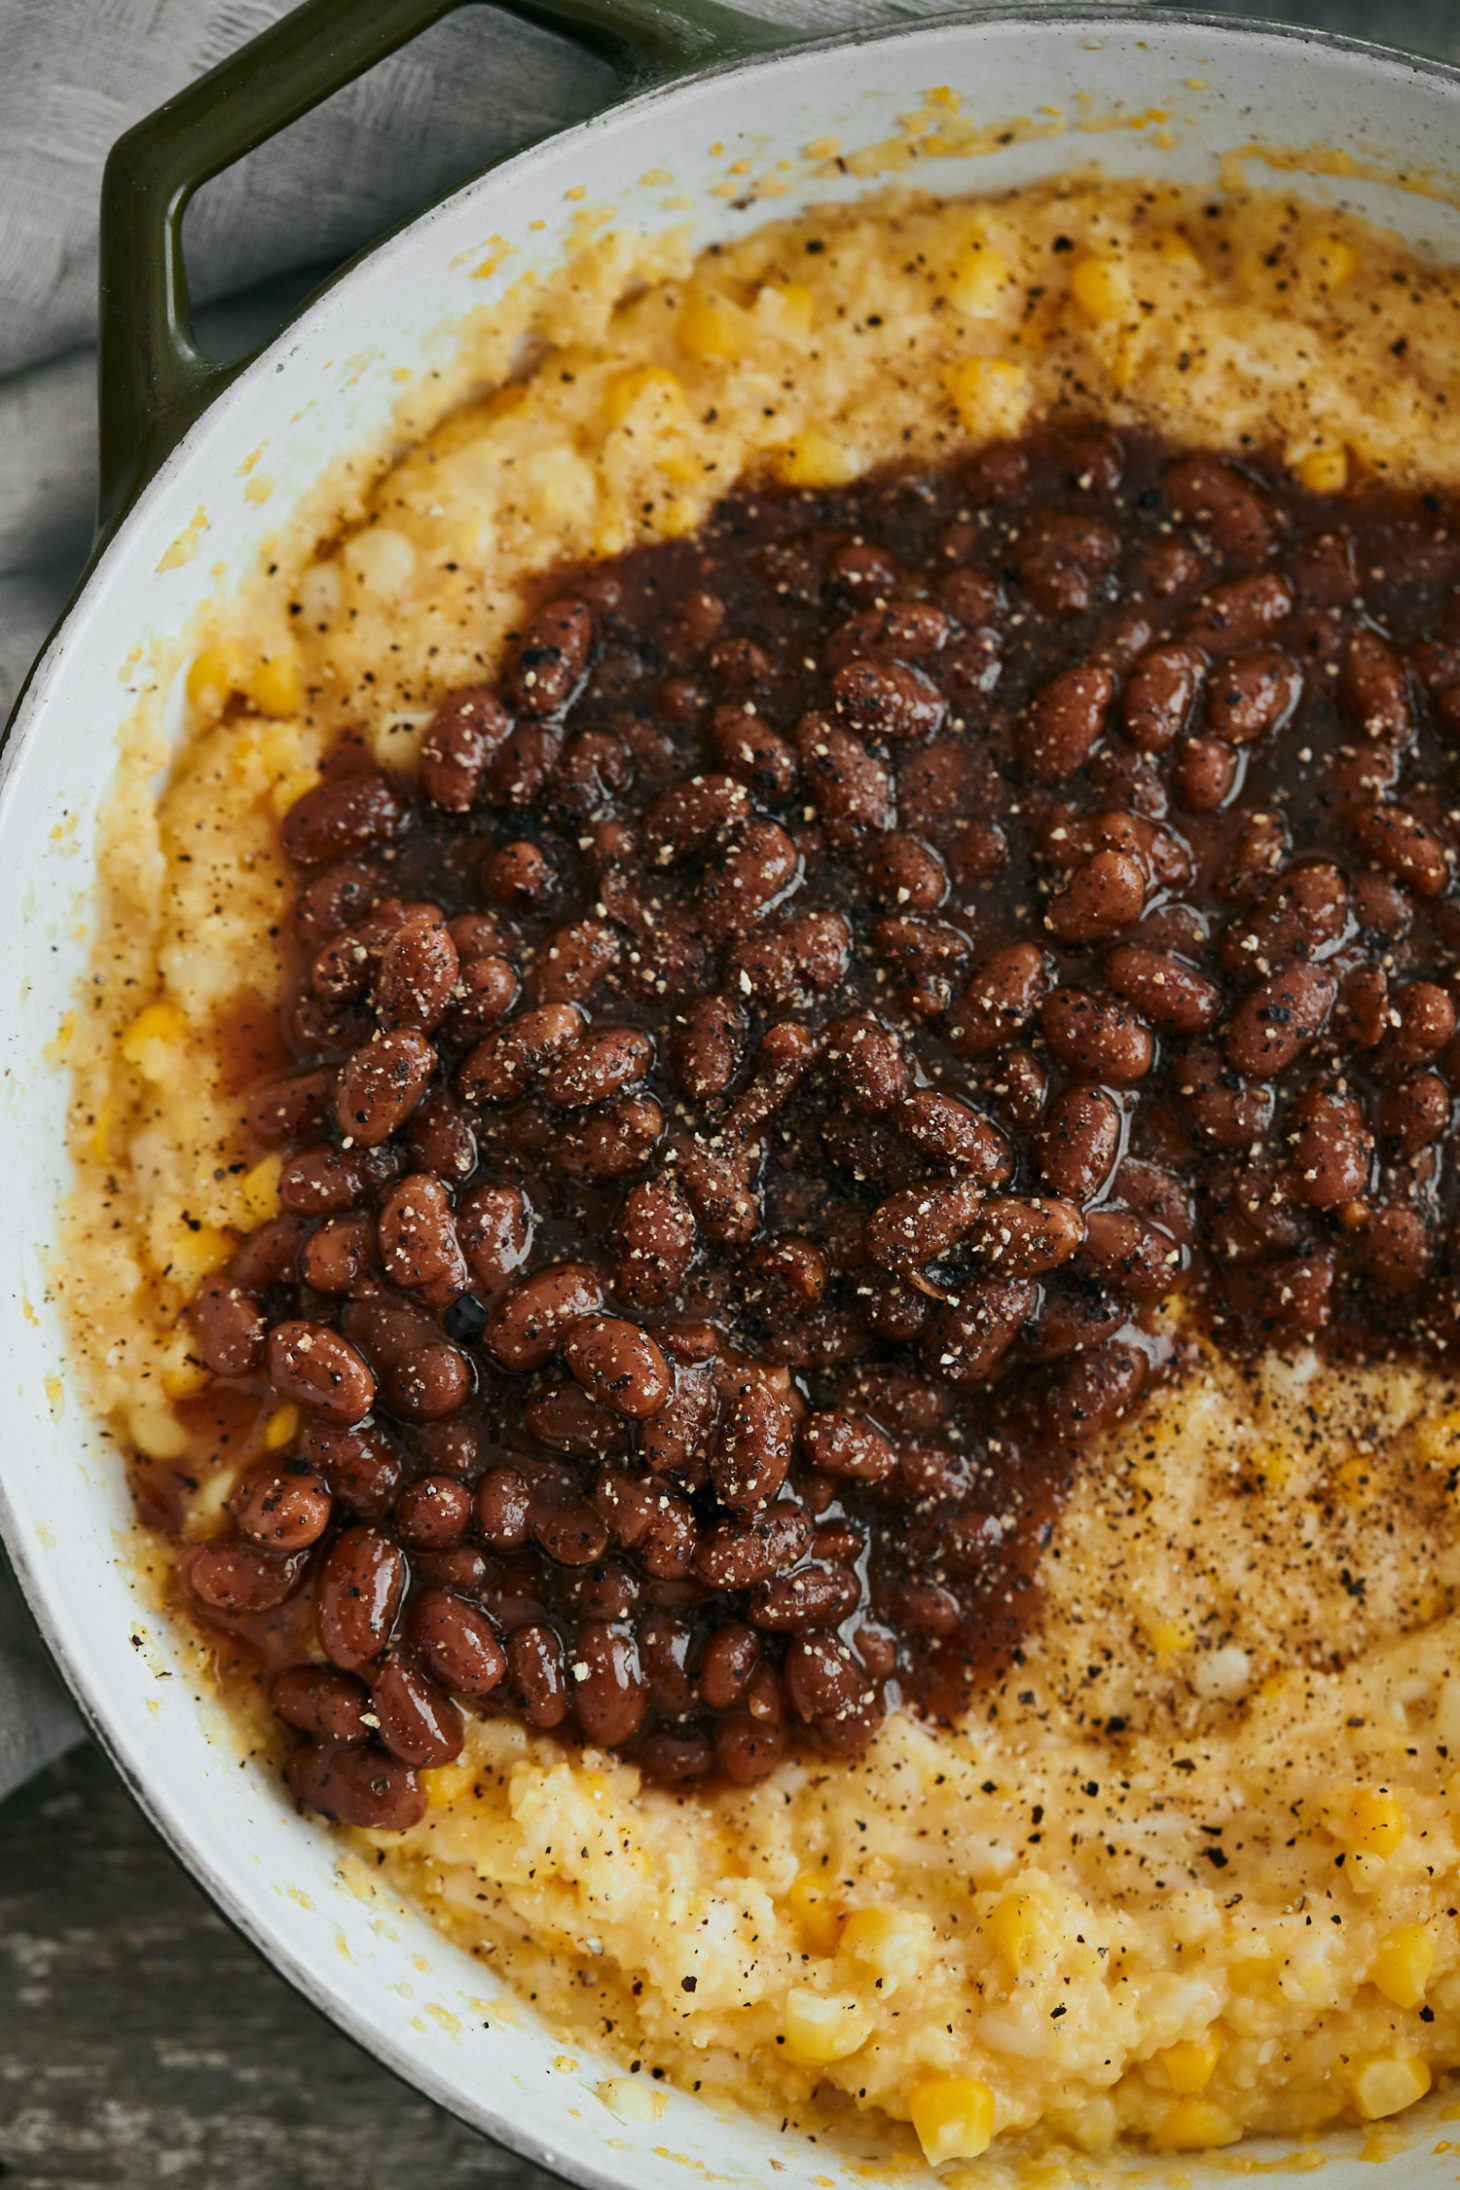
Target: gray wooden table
(143, 2043)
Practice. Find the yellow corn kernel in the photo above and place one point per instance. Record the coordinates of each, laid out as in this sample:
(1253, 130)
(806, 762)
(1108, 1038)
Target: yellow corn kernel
(445, 1782)
(1401, 1967)
(1017, 1930)
(1437, 1438)
(895, 1944)
(789, 308)
(258, 1190)
(954, 2118)
(192, 1256)
(819, 1915)
(1323, 471)
(1102, 289)
(290, 789)
(216, 674)
(156, 1431)
(709, 325)
(1169, 244)
(990, 394)
(816, 459)
(151, 1041)
(1373, 1821)
(641, 384)
(282, 1427)
(977, 281)
(1168, 1637)
(275, 687)
(1195, 2125)
(1190, 2063)
(824, 2026)
(1386, 2087)
(184, 1374)
(1330, 261)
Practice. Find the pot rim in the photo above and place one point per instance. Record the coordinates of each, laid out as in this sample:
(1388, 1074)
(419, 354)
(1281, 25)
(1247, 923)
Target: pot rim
(166, 1811)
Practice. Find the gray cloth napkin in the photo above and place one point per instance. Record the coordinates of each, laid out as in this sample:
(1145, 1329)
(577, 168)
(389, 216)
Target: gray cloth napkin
(258, 238)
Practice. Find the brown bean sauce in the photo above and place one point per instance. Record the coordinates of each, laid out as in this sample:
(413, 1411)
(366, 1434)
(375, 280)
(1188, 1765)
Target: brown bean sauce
(753, 1090)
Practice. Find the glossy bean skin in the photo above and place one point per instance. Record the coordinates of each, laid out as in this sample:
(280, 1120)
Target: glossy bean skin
(358, 1597)
(417, 1722)
(323, 1702)
(539, 1675)
(341, 818)
(361, 1787)
(1080, 1142)
(380, 1085)
(284, 1508)
(537, 1314)
(1098, 1038)
(313, 1364)
(618, 1364)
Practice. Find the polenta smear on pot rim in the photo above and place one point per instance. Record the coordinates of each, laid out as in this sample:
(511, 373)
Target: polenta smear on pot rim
(1191, 1869)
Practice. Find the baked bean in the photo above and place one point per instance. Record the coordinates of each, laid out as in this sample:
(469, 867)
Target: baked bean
(358, 1596)
(495, 1225)
(433, 1513)
(284, 1108)
(1080, 1143)
(608, 1686)
(573, 961)
(951, 1130)
(336, 1256)
(852, 790)
(709, 1047)
(538, 1674)
(905, 630)
(1095, 1389)
(1002, 997)
(319, 1181)
(530, 1323)
(418, 1242)
(1423, 1020)
(487, 992)
(1287, 1297)
(748, 747)
(728, 1665)
(657, 1236)
(507, 1063)
(904, 871)
(552, 657)
(827, 1685)
(919, 1223)
(380, 1084)
(319, 1700)
(1302, 915)
(966, 1337)
(1415, 1112)
(745, 877)
(334, 900)
(619, 1364)
(336, 820)
(228, 1327)
(1396, 1248)
(1204, 492)
(439, 1139)
(1097, 1036)
(1062, 559)
(1241, 613)
(597, 1066)
(312, 1364)
(1065, 722)
(847, 1445)
(1275, 1022)
(1403, 846)
(813, 1596)
(1375, 689)
(1171, 995)
(417, 1723)
(1252, 695)
(1332, 1147)
(358, 1464)
(1104, 895)
(562, 1415)
(868, 1062)
(1127, 1253)
(458, 746)
(504, 1508)
(686, 818)
(237, 1577)
(1160, 695)
(1206, 774)
(361, 1787)
(887, 700)
(715, 1187)
(753, 1449)
(519, 876)
(572, 1533)
(417, 976)
(747, 1749)
(429, 1381)
(1025, 1235)
(1224, 1107)
(285, 1508)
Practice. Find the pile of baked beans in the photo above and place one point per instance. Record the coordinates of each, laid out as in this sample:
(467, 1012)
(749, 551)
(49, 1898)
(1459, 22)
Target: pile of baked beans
(757, 1086)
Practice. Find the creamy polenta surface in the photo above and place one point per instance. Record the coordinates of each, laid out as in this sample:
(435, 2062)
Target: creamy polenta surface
(1188, 1866)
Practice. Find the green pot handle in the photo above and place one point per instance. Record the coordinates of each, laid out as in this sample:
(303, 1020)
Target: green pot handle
(154, 379)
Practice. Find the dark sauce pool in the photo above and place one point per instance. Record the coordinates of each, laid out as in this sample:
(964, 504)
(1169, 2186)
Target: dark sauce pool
(752, 1094)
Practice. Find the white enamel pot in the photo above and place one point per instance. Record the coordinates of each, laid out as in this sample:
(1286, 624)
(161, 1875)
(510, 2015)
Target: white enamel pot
(175, 429)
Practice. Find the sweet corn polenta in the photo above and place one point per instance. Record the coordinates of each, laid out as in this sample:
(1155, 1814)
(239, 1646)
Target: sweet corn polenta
(1191, 1872)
